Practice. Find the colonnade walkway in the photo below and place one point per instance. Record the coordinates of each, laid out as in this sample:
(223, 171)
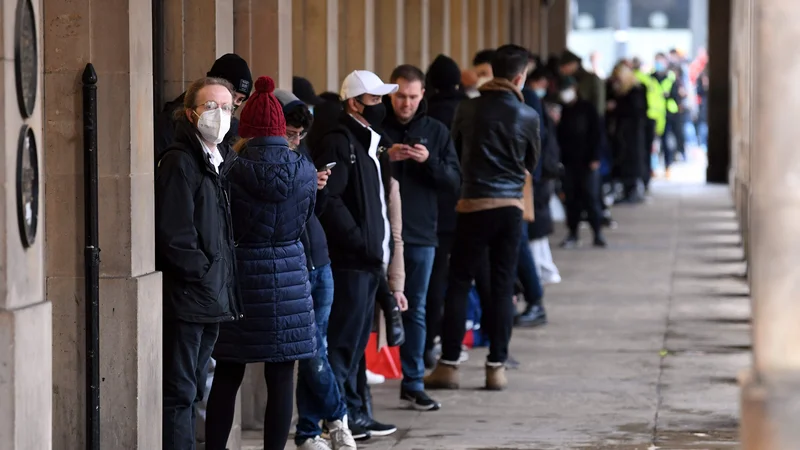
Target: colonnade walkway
(642, 351)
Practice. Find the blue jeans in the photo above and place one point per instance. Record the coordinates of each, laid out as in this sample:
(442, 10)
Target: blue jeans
(419, 263)
(318, 395)
(526, 271)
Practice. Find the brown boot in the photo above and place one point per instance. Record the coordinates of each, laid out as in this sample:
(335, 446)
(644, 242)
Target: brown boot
(444, 376)
(496, 377)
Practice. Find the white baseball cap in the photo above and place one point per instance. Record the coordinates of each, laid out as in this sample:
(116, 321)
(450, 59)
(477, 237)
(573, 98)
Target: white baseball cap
(360, 82)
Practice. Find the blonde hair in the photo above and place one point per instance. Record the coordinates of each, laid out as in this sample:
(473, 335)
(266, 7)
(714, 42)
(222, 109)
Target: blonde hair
(241, 144)
(623, 74)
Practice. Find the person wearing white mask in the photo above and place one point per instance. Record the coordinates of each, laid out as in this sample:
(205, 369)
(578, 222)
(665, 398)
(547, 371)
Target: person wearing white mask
(579, 136)
(194, 252)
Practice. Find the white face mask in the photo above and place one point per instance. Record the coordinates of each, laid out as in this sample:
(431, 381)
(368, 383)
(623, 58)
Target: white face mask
(568, 96)
(213, 125)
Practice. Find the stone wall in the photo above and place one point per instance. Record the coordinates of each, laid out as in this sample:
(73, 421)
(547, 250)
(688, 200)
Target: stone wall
(25, 315)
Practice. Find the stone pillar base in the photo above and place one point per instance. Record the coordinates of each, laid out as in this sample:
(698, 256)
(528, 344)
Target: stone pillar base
(770, 408)
(25, 377)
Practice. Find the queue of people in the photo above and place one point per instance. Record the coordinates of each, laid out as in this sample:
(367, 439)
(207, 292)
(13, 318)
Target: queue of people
(288, 235)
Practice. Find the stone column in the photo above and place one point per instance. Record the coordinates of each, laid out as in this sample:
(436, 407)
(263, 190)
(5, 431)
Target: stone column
(771, 393)
(416, 35)
(439, 26)
(459, 30)
(389, 36)
(719, 70)
(490, 31)
(115, 36)
(356, 36)
(263, 37)
(558, 20)
(25, 316)
(196, 32)
(515, 21)
(475, 27)
(315, 42)
(503, 21)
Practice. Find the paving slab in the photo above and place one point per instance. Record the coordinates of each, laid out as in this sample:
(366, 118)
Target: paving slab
(644, 344)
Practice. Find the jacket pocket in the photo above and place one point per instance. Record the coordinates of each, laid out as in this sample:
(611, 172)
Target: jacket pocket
(207, 290)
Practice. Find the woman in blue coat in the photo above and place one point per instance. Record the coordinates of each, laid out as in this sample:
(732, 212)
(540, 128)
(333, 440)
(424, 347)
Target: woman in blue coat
(273, 189)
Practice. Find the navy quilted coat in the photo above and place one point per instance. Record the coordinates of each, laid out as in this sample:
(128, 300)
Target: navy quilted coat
(272, 197)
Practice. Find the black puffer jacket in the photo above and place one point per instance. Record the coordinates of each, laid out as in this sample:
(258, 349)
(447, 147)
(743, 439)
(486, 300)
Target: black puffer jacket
(442, 106)
(498, 135)
(194, 240)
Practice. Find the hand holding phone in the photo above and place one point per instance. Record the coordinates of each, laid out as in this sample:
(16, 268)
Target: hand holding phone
(327, 167)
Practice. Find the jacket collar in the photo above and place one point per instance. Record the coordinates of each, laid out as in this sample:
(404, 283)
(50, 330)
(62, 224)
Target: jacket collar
(188, 138)
(501, 84)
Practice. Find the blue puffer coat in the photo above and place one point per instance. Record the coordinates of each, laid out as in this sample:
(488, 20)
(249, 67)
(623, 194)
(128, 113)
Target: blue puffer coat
(273, 190)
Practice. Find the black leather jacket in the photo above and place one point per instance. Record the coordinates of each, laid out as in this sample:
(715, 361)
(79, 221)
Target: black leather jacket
(497, 136)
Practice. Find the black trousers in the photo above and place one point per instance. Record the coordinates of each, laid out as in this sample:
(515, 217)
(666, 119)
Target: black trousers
(649, 138)
(228, 378)
(187, 350)
(349, 327)
(497, 230)
(582, 194)
(437, 287)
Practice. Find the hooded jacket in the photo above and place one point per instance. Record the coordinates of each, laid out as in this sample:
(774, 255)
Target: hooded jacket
(420, 182)
(273, 190)
(194, 240)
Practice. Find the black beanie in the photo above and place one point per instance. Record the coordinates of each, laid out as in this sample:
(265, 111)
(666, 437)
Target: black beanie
(233, 68)
(443, 74)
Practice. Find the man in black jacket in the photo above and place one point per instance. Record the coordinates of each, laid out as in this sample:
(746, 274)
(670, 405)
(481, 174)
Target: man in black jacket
(499, 139)
(356, 223)
(194, 251)
(230, 67)
(425, 163)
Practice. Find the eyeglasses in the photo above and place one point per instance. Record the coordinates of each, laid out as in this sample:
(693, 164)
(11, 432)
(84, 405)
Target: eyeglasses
(211, 105)
(292, 135)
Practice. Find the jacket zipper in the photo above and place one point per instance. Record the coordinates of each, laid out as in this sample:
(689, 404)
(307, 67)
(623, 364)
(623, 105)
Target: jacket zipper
(237, 313)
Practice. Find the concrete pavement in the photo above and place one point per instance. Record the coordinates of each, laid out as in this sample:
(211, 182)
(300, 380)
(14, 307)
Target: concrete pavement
(642, 351)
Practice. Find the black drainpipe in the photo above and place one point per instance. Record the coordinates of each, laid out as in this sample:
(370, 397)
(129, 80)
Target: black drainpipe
(158, 56)
(92, 259)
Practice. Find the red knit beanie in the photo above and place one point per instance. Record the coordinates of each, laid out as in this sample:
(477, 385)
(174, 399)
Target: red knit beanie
(262, 114)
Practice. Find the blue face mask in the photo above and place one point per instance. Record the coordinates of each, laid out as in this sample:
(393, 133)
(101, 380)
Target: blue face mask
(660, 66)
(311, 109)
(541, 92)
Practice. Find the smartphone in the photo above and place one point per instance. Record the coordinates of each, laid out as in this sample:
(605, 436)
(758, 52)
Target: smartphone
(328, 166)
(412, 141)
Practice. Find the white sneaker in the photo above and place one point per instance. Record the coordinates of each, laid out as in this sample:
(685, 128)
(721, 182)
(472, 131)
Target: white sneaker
(341, 438)
(464, 356)
(314, 444)
(374, 378)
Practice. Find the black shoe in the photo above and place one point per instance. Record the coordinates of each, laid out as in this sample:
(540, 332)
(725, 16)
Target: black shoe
(600, 241)
(533, 316)
(419, 400)
(359, 433)
(374, 427)
(511, 363)
(570, 242)
(395, 333)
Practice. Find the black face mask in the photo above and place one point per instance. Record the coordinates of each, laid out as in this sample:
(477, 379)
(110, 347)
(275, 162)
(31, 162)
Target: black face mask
(374, 114)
